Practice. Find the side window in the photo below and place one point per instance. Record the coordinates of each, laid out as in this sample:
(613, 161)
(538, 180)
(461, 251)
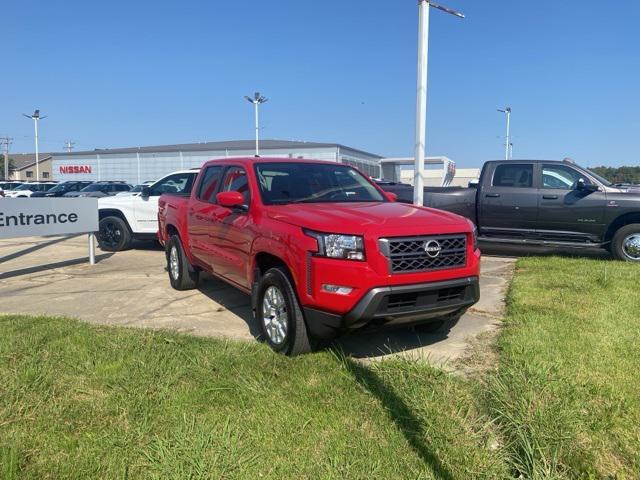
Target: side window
(560, 177)
(235, 179)
(178, 183)
(513, 175)
(209, 185)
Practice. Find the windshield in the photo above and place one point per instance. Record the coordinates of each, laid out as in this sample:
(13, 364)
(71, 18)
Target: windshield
(61, 187)
(25, 186)
(602, 180)
(282, 183)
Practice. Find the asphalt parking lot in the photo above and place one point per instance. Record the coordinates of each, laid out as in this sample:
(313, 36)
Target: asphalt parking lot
(51, 276)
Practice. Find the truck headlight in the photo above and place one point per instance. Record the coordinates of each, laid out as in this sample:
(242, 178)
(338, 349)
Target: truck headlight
(331, 245)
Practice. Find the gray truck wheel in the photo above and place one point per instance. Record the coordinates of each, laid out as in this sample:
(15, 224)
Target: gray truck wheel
(280, 316)
(626, 243)
(113, 234)
(182, 275)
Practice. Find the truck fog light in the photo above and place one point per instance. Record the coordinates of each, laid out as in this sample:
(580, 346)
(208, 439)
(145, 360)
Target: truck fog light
(337, 289)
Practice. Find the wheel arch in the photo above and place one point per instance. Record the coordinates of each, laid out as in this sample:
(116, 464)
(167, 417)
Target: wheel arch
(112, 212)
(619, 222)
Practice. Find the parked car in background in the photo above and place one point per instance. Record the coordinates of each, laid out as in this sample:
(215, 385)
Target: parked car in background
(101, 189)
(320, 248)
(135, 217)
(63, 188)
(6, 186)
(135, 190)
(26, 189)
(549, 203)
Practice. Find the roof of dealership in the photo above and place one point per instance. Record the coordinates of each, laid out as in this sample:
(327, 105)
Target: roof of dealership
(232, 145)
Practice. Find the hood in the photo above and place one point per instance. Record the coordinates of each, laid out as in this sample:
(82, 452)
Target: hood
(360, 217)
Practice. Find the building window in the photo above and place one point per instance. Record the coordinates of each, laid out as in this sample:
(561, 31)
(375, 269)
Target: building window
(45, 174)
(29, 174)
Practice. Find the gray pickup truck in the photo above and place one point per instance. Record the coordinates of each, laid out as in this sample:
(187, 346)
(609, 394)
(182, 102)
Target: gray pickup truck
(540, 202)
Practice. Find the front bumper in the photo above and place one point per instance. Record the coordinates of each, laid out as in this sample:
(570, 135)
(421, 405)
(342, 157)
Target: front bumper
(397, 305)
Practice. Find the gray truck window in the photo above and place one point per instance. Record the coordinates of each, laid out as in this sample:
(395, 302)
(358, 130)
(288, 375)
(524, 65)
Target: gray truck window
(209, 185)
(513, 175)
(560, 177)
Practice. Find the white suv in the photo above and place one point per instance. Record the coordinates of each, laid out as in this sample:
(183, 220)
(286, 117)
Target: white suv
(135, 217)
(26, 189)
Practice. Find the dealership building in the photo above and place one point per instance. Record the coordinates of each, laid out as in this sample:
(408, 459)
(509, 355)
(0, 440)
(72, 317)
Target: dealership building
(140, 164)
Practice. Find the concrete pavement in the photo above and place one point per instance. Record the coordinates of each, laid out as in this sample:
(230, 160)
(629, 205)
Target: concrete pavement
(50, 276)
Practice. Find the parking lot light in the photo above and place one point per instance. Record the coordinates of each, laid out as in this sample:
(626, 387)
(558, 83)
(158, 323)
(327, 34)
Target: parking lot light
(421, 98)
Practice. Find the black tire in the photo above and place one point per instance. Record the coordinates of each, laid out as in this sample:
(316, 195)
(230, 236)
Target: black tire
(441, 325)
(182, 275)
(295, 338)
(114, 234)
(626, 243)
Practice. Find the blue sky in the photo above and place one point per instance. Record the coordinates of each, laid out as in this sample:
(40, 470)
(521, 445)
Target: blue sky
(125, 73)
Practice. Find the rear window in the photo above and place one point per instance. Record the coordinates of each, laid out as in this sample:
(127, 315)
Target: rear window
(513, 175)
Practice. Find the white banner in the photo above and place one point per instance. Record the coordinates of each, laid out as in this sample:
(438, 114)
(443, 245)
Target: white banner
(39, 217)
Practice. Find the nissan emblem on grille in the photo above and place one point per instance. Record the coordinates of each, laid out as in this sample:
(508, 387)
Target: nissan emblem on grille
(433, 248)
(422, 254)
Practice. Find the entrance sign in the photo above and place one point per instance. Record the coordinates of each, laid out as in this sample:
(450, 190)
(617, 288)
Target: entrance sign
(39, 217)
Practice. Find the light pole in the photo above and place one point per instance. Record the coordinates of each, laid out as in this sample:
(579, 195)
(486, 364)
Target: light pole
(421, 100)
(36, 118)
(508, 151)
(257, 100)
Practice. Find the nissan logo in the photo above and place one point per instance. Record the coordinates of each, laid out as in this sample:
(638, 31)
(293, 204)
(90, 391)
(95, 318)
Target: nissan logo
(432, 248)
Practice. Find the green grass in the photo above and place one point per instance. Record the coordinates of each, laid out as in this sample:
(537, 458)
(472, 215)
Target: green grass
(563, 401)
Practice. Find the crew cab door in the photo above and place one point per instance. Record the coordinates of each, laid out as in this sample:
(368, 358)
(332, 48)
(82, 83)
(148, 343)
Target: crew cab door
(508, 201)
(202, 215)
(233, 231)
(565, 212)
(145, 209)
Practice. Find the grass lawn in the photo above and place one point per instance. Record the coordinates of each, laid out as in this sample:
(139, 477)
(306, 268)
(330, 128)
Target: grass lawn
(563, 401)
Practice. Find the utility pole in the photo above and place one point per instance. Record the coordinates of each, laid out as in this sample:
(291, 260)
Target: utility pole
(36, 118)
(421, 97)
(508, 152)
(68, 144)
(6, 141)
(257, 100)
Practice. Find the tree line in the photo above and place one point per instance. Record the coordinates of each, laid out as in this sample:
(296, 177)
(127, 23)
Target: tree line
(619, 174)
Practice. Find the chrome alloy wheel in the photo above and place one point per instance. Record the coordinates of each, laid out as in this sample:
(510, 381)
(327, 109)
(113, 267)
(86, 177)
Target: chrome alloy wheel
(274, 315)
(174, 265)
(631, 247)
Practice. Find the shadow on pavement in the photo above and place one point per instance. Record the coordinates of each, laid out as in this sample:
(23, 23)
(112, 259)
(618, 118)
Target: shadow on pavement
(51, 266)
(400, 413)
(35, 248)
(378, 343)
(230, 299)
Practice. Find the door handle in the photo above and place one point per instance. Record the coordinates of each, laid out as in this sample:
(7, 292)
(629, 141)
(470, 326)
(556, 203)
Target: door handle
(492, 195)
(550, 197)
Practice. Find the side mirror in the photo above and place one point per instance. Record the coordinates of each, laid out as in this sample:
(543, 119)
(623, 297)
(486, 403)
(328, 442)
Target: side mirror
(230, 199)
(583, 186)
(392, 197)
(145, 191)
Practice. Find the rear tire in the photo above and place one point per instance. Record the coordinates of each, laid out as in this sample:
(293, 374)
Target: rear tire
(182, 275)
(626, 243)
(113, 234)
(442, 325)
(280, 316)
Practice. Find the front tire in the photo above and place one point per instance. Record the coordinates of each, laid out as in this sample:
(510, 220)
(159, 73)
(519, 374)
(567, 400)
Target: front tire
(113, 234)
(626, 243)
(182, 275)
(280, 316)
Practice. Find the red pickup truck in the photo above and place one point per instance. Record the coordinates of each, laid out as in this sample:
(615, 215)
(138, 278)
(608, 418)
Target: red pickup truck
(320, 248)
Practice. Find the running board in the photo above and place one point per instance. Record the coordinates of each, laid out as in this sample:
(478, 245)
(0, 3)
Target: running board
(542, 243)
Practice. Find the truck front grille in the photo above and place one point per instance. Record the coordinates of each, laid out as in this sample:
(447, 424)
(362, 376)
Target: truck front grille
(422, 254)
